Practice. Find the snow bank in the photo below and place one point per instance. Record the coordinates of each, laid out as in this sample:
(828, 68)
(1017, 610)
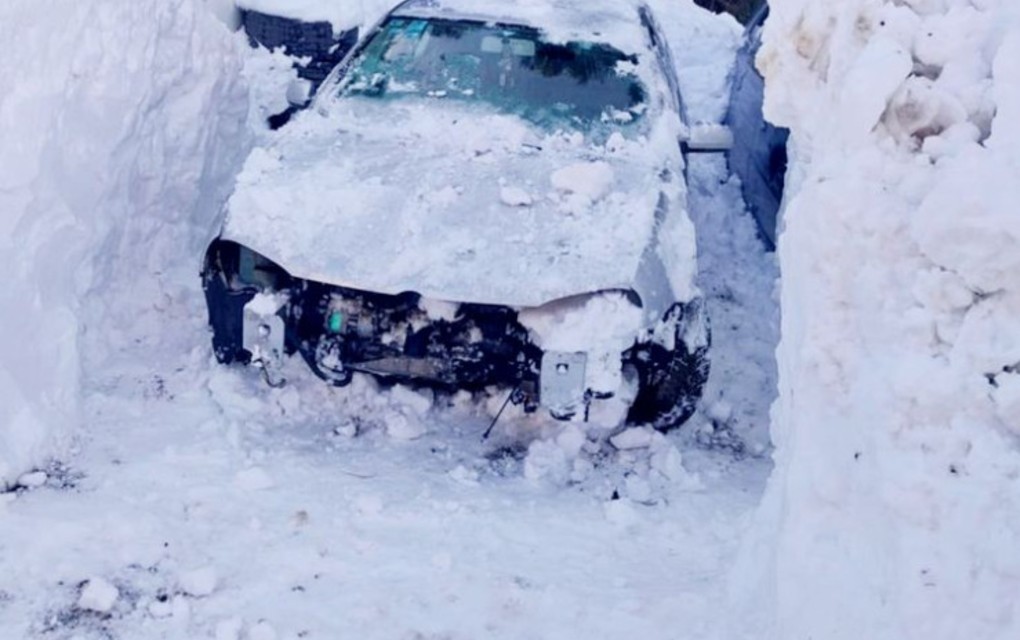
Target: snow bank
(894, 509)
(122, 125)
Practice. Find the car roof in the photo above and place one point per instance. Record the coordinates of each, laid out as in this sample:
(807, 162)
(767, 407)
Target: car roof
(614, 22)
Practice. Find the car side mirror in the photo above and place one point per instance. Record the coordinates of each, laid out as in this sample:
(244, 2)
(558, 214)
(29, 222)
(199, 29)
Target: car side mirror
(708, 138)
(299, 92)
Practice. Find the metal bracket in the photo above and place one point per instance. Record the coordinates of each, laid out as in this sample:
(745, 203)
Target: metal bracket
(262, 335)
(562, 381)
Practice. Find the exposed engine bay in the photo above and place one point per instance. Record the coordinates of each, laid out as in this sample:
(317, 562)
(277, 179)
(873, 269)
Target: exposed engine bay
(260, 314)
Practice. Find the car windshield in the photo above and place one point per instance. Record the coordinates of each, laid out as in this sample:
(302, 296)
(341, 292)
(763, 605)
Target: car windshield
(510, 68)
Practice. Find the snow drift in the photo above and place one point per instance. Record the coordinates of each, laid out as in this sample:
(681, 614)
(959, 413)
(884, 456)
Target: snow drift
(122, 127)
(894, 509)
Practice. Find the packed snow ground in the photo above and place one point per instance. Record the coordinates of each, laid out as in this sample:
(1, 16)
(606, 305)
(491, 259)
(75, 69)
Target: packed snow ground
(200, 503)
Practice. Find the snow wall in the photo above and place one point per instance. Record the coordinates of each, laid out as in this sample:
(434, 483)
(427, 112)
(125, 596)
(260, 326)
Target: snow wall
(122, 126)
(894, 508)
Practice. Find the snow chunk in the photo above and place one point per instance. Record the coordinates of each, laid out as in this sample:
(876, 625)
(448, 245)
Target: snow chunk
(408, 399)
(546, 460)
(98, 595)
(266, 304)
(254, 479)
(404, 418)
(876, 75)
(667, 461)
(160, 609)
(463, 475)
(968, 223)
(570, 440)
(559, 458)
(198, 583)
(439, 309)
(33, 480)
(514, 197)
(404, 427)
(229, 629)
(633, 438)
(592, 180)
(621, 513)
(262, 630)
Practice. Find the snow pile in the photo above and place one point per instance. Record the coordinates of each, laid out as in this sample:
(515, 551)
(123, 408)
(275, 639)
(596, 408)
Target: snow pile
(122, 125)
(894, 509)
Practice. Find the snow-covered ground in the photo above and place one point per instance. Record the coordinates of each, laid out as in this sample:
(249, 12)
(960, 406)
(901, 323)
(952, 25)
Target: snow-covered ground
(199, 503)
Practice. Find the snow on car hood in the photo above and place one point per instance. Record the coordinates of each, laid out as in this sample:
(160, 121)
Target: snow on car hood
(448, 200)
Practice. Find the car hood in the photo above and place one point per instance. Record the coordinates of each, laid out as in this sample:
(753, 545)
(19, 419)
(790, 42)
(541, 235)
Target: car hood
(449, 201)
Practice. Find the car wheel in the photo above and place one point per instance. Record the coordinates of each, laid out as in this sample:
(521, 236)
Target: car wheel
(670, 382)
(225, 305)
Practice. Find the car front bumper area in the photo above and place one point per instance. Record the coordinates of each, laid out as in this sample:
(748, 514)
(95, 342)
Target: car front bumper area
(260, 314)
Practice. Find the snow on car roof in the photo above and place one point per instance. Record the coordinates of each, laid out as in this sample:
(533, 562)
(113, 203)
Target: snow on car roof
(342, 14)
(616, 22)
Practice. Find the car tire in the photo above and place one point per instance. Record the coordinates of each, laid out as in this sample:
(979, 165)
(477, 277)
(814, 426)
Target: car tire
(671, 382)
(225, 305)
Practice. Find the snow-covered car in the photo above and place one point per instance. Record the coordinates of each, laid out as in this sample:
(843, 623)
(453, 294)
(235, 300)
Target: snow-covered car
(758, 154)
(483, 195)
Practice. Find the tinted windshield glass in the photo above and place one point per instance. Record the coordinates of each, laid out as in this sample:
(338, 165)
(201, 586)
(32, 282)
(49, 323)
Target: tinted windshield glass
(508, 67)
